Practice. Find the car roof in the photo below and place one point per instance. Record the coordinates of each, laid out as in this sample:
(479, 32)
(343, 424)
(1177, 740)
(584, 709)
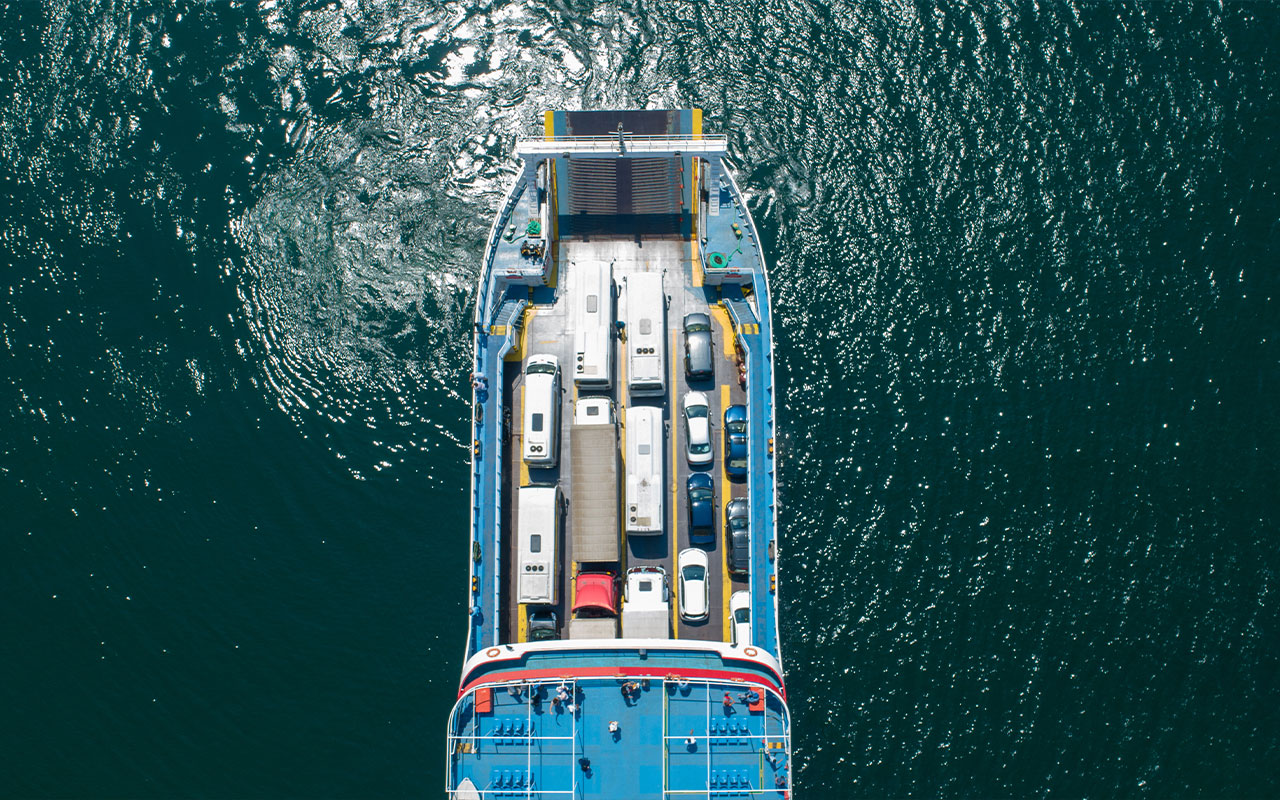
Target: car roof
(700, 480)
(695, 398)
(693, 555)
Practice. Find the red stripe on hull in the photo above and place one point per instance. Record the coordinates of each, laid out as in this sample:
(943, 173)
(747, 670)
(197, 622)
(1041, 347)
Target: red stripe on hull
(612, 672)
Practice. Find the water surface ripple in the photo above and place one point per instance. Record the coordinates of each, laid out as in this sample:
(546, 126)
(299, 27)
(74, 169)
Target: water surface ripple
(1024, 267)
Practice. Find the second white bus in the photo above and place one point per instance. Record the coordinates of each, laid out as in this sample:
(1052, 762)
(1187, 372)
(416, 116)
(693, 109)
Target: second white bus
(593, 332)
(645, 474)
(538, 534)
(646, 332)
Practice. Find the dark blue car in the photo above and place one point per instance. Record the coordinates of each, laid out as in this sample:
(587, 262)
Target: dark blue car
(735, 441)
(702, 501)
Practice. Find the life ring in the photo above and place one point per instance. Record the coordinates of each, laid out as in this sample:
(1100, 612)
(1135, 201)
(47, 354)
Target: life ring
(493, 652)
(750, 652)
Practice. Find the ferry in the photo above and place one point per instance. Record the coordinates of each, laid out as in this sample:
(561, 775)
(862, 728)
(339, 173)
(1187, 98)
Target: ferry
(623, 618)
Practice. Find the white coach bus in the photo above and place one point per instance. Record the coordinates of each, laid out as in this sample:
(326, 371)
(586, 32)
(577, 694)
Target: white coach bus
(538, 534)
(646, 332)
(645, 476)
(593, 334)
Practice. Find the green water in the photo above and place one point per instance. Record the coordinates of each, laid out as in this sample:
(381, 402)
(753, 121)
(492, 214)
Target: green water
(1025, 268)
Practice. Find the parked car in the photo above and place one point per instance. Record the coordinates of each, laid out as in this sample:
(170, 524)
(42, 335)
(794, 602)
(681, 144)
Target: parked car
(692, 565)
(735, 441)
(702, 503)
(738, 536)
(697, 347)
(543, 625)
(697, 429)
(740, 610)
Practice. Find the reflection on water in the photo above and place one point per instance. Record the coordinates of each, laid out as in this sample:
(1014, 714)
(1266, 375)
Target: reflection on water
(1025, 311)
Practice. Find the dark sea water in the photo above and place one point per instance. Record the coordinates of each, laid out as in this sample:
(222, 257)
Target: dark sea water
(1025, 264)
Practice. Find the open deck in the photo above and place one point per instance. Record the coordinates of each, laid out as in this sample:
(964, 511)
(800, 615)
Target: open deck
(548, 330)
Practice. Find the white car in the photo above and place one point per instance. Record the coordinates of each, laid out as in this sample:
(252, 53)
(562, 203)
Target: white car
(740, 610)
(697, 428)
(692, 566)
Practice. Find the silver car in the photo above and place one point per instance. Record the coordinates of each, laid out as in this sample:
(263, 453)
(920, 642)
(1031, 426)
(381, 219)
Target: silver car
(693, 564)
(697, 429)
(697, 346)
(740, 610)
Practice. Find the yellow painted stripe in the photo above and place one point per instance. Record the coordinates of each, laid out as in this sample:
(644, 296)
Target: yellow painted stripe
(675, 472)
(517, 353)
(548, 124)
(522, 624)
(726, 331)
(724, 502)
(524, 468)
(697, 206)
(573, 591)
(697, 123)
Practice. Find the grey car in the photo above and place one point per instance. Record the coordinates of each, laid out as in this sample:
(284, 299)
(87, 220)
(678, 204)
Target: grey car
(737, 534)
(697, 346)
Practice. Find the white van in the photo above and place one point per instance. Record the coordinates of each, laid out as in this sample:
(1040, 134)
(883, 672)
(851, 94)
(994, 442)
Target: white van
(538, 535)
(645, 486)
(541, 410)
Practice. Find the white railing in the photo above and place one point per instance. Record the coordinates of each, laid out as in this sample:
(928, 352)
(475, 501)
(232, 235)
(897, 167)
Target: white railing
(713, 145)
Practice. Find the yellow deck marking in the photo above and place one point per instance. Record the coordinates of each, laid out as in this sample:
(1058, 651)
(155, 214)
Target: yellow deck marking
(522, 630)
(573, 591)
(729, 349)
(697, 123)
(517, 352)
(675, 472)
(548, 124)
(697, 209)
(724, 502)
(524, 468)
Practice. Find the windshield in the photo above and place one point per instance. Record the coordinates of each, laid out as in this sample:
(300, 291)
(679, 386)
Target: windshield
(534, 369)
(742, 615)
(699, 494)
(738, 523)
(697, 327)
(736, 426)
(696, 412)
(738, 462)
(694, 572)
(700, 449)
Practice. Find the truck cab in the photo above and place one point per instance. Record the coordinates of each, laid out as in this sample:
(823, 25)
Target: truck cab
(595, 606)
(646, 612)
